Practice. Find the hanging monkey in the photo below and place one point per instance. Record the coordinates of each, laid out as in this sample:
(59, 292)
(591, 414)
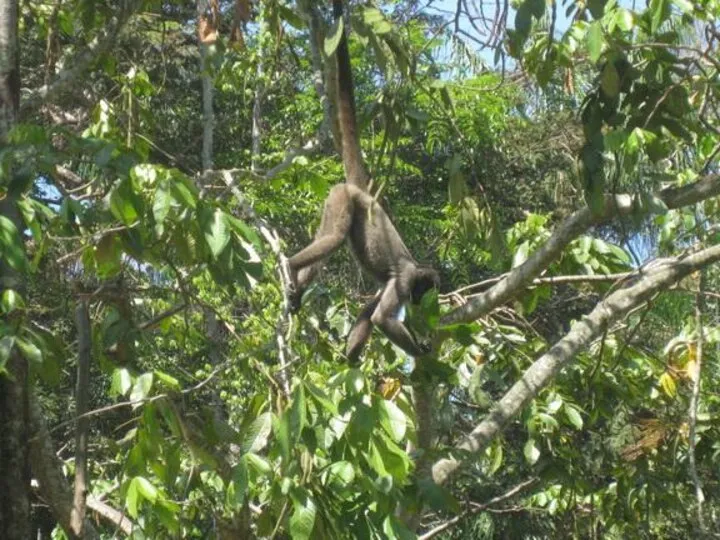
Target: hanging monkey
(351, 213)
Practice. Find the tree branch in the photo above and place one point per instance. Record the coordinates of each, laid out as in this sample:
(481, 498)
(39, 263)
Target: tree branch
(615, 205)
(47, 468)
(543, 370)
(82, 387)
(478, 508)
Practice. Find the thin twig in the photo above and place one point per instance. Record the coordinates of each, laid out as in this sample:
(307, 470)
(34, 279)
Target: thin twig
(478, 507)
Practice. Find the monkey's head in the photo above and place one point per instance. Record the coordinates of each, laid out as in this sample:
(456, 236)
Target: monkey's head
(425, 278)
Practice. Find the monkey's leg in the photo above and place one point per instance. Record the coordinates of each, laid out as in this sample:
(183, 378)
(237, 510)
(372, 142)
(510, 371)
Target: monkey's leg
(385, 318)
(360, 332)
(334, 227)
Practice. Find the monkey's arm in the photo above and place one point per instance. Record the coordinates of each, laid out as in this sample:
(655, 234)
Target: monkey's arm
(385, 318)
(360, 332)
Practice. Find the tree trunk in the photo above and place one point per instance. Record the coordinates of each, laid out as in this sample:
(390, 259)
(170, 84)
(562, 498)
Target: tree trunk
(14, 463)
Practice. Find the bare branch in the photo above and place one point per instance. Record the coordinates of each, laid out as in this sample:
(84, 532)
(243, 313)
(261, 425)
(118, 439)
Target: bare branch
(47, 468)
(82, 387)
(543, 370)
(617, 205)
(478, 507)
(117, 518)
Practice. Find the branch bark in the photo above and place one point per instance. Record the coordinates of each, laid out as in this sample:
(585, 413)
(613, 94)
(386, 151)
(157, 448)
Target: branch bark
(543, 370)
(82, 321)
(571, 228)
(14, 387)
(47, 468)
(695, 375)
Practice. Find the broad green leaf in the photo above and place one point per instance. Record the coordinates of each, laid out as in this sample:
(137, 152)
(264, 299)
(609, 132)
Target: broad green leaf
(624, 19)
(29, 350)
(521, 254)
(659, 10)
(161, 206)
(167, 380)
(11, 246)
(610, 80)
(11, 301)
(298, 413)
(121, 203)
(332, 40)
(394, 529)
(132, 499)
(595, 40)
(256, 436)
(573, 416)
(393, 420)
(340, 474)
(302, 520)
(240, 482)
(141, 388)
(6, 346)
(531, 451)
(121, 382)
(216, 232)
(146, 489)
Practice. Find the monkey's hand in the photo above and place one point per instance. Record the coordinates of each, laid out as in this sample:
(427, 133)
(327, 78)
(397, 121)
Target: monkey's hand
(425, 347)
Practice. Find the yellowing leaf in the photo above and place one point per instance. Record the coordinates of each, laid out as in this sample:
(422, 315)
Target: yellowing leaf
(667, 383)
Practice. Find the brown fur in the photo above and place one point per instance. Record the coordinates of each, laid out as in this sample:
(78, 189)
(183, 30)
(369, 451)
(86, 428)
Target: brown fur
(351, 214)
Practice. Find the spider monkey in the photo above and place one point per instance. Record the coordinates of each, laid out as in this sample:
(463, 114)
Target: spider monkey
(351, 213)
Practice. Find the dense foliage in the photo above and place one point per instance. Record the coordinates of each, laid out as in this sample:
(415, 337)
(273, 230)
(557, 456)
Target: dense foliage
(548, 159)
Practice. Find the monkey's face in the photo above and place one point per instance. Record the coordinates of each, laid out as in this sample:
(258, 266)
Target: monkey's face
(427, 279)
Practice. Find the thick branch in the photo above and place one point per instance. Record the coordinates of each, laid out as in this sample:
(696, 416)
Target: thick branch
(543, 370)
(47, 468)
(571, 228)
(115, 517)
(82, 321)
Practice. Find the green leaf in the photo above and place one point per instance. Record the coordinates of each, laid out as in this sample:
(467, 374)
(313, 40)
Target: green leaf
(340, 475)
(394, 529)
(132, 499)
(610, 80)
(321, 397)
(256, 436)
(29, 350)
(11, 301)
(121, 203)
(302, 520)
(11, 246)
(121, 382)
(531, 451)
(573, 416)
(167, 380)
(215, 230)
(141, 388)
(393, 420)
(660, 9)
(624, 19)
(146, 489)
(240, 482)
(332, 40)
(595, 41)
(161, 206)
(6, 346)
(521, 254)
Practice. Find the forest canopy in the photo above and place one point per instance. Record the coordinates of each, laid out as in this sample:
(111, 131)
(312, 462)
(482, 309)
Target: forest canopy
(557, 164)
